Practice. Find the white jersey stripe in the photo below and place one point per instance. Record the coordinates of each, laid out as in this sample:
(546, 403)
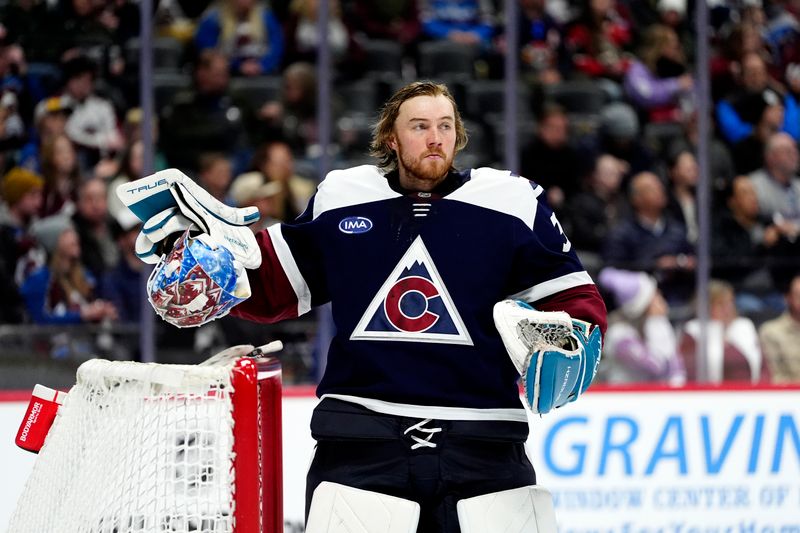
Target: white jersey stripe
(434, 411)
(289, 265)
(549, 287)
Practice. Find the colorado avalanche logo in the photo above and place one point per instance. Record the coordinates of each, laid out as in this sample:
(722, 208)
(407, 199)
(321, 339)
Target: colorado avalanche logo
(406, 305)
(413, 305)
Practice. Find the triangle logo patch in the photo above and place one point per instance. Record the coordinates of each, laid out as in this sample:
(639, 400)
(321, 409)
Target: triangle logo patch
(413, 305)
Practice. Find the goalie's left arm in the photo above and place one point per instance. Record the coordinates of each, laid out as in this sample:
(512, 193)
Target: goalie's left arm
(556, 347)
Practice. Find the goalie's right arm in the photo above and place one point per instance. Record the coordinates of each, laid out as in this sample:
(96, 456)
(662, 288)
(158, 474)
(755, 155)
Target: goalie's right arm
(264, 284)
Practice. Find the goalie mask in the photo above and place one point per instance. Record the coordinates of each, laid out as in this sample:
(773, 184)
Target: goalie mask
(196, 282)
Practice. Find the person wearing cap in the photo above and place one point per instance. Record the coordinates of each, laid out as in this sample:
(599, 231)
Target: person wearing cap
(62, 291)
(619, 134)
(640, 343)
(50, 120)
(22, 197)
(251, 188)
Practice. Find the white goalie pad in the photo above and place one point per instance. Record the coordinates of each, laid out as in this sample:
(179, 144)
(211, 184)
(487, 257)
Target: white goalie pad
(338, 508)
(523, 510)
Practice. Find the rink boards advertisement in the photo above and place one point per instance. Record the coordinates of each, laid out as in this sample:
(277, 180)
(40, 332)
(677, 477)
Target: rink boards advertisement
(633, 461)
(721, 461)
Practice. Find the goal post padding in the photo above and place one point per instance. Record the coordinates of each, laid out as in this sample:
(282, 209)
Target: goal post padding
(144, 447)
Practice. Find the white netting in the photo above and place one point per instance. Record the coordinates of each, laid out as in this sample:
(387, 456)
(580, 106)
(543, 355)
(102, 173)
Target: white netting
(135, 448)
(537, 335)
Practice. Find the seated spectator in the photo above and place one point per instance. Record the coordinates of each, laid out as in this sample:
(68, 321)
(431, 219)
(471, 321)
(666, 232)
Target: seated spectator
(92, 126)
(660, 241)
(673, 14)
(720, 162)
(62, 291)
(732, 347)
(595, 210)
(777, 183)
(743, 244)
(598, 38)
(543, 55)
(215, 174)
(683, 174)
(294, 117)
(99, 252)
(748, 154)
(469, 23)
(22, 199)
(742, 39)
(659, 81)
(740, 112)
(95, 30)
(302, 37)
(50, 121)
(247, 32)
(640, 344)
(780, 339)
(550, 160)
(61, 176)
(251, 189)
(205, 118)
(275, 161)
(122, 285)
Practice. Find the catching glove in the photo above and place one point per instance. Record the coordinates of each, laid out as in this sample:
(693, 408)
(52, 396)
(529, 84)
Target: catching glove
(556, 356)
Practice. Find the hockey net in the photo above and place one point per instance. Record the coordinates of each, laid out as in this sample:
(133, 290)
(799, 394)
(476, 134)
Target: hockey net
(143, 448)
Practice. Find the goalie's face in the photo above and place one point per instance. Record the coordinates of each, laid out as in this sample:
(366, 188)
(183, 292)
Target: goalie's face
(424, 140)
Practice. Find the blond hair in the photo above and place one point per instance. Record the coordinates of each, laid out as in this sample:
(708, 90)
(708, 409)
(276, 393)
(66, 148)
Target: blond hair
(383, 130)
(229, 23)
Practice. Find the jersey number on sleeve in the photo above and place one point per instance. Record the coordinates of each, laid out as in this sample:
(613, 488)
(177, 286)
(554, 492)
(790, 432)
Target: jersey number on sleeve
(567, 245)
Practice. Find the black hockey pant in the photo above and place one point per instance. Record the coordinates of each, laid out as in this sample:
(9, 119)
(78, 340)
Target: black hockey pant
(368, 450)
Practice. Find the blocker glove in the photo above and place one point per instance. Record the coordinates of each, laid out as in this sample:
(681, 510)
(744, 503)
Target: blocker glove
(169, 202)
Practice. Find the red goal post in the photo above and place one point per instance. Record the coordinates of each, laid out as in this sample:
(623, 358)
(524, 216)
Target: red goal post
(141, 448)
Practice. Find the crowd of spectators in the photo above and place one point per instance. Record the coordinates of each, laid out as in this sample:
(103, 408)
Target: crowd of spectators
(608, 125)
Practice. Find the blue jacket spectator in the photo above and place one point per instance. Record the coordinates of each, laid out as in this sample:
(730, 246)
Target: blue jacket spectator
(741, 112)
(246, 31)
(463, 21)
(62, 292)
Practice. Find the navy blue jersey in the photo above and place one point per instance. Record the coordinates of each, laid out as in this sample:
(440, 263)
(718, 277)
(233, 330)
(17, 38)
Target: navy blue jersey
(413, 279)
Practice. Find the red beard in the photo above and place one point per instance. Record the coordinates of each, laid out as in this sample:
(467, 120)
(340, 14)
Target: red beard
(425, 169)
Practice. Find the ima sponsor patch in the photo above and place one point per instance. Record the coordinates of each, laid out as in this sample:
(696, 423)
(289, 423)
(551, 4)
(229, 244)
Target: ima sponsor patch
(413, 305)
